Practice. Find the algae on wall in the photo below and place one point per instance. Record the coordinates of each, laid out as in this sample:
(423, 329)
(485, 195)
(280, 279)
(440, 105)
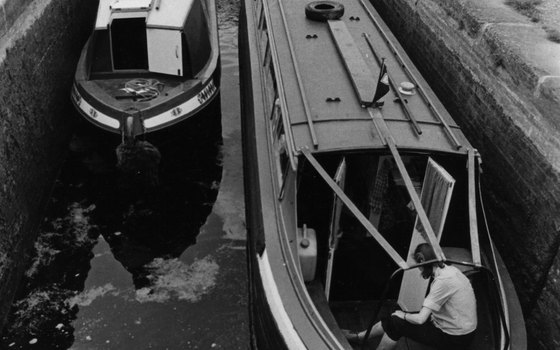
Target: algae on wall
(38, 56)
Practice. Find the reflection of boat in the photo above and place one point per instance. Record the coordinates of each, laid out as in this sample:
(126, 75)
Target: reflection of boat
(340, 189)
(148, 64)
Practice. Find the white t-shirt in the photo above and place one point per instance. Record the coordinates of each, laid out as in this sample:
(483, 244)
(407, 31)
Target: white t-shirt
(452, 302)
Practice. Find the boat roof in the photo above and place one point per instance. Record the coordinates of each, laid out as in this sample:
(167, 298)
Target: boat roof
(337, 67)
(170, 14)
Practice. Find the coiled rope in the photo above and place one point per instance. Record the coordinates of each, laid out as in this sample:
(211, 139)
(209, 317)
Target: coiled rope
(145, 89)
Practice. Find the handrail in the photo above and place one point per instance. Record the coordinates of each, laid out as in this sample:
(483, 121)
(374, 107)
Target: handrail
(411, 76)
(401, 270)
(402, 100)
(281, 92)
(298, 78)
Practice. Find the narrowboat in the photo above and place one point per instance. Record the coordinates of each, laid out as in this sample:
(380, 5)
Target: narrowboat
(148, 64)
(350, 161)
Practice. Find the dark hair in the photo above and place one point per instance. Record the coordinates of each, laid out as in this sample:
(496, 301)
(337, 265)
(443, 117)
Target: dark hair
(425, 252)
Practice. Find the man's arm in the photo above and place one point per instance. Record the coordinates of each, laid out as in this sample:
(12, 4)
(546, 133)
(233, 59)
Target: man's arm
(417, 318)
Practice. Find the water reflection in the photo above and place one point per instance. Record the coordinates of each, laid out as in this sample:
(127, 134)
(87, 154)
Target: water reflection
(96, 213)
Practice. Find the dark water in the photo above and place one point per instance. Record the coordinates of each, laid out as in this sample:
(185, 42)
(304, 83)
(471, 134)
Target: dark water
(119, 266)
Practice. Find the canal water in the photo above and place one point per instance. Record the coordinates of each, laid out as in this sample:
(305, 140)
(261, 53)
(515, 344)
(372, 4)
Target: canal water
(117, 266)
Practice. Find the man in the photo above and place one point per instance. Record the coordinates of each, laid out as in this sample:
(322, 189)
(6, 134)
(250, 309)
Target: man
(448, 317)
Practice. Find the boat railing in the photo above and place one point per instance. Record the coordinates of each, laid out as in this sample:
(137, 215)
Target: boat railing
(280, 87)
(299, 78)
(403, 103)
(476, 267)
(410, 75)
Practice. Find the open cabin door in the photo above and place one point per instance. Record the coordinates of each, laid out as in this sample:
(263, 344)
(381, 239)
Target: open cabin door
(165, 54)
(334, 234)
(436, 194)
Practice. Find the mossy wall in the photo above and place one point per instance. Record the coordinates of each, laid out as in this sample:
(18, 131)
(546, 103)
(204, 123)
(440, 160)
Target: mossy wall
(40, 43)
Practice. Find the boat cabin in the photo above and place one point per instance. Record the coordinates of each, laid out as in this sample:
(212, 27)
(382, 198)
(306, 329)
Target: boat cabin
(341, 187)
(158, 36)
(355, 227)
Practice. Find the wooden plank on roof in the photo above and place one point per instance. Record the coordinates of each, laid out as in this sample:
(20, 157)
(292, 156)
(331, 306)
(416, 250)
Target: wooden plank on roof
(430, 235)
(360, 74)
(390, 142)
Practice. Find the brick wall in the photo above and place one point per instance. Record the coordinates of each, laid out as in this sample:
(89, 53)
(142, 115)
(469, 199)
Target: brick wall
(37, 60)
(478, 61)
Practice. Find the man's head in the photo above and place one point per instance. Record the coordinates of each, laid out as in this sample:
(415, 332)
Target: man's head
(424, 252)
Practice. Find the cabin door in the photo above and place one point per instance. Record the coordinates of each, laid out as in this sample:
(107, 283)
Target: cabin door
(334, 234)
(165, 54)
(435, 198)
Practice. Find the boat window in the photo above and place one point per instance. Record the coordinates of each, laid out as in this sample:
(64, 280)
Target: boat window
(270, 80)
(264, 47)
(258, 11)
(276, 124)
(129, 43)
(197, 37)
(282, 159)
(262, 19)
(101, 54)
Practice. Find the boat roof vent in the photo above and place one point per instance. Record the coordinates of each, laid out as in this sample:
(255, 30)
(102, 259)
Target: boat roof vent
(130, 5)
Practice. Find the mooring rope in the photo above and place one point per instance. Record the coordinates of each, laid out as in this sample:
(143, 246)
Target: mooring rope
(145, 89)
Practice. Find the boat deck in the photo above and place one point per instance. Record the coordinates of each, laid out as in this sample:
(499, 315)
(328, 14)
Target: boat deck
(169, 87)
(329, 100)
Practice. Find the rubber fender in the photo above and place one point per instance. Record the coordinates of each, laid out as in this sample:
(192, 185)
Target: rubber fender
(307, 252)
(324, 10)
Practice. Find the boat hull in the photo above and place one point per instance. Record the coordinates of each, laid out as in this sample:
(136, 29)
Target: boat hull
(95, 109)
(282, 316)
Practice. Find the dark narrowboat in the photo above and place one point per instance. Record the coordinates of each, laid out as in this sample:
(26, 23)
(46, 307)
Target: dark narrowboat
(350, 161)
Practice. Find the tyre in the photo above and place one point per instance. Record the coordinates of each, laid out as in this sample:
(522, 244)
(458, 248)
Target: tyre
(324, 10)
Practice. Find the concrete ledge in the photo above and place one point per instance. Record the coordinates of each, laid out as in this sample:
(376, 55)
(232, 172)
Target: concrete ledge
(497, 74)
(38, 56)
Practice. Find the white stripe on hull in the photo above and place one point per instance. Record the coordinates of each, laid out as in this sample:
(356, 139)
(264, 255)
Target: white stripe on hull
(283, 322)
(174, 113)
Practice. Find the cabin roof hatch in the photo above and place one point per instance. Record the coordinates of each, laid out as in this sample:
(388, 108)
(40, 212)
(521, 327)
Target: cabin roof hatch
(169, 14)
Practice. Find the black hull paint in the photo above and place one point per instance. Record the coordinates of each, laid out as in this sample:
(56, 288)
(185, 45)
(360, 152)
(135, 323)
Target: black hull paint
(264, 332)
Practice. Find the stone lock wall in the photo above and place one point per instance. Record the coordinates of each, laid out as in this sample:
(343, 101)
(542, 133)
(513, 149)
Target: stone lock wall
(499, 77)
(40, 42)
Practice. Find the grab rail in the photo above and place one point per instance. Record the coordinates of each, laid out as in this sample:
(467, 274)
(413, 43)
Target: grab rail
(411, 76)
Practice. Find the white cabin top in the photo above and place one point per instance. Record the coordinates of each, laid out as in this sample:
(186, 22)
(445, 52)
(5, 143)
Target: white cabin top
(158, 13)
